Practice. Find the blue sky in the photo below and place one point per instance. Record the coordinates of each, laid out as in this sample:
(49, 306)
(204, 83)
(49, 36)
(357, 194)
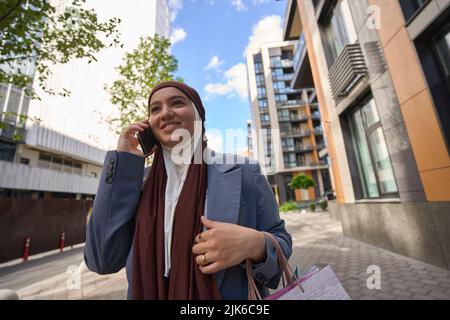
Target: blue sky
(216, 33)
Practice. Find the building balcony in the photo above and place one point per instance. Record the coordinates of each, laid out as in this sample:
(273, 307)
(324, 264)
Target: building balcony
(284, 77)
(318, 131)
(291, 165)
(298, 148)
(320, 146)
(304, 148)
(299, 118)
(282, 64)
(292, 103)
(20, 176)
(295, 133)
(286, 91)
(43, 138)
(305, 164)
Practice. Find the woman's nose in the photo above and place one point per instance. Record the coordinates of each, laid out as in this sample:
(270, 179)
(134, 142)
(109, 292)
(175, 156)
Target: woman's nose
(166, 112)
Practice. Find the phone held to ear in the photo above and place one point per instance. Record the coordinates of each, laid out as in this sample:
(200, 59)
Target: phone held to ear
(147, 141)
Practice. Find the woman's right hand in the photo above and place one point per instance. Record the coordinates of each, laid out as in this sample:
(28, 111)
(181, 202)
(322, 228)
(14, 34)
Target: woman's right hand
(128, 141)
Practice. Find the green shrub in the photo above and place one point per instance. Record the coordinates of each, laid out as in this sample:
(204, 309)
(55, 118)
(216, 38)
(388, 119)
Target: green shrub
(323, 204)
(312, 206)
(288, 206)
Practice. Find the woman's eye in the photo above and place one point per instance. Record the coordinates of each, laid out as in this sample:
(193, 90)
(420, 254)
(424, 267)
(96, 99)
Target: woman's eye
(178, 102)
(153, 110)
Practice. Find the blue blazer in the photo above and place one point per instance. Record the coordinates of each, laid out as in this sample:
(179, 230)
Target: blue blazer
(237, 193)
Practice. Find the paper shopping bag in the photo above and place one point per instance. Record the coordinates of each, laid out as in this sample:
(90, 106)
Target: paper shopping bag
(316, 284)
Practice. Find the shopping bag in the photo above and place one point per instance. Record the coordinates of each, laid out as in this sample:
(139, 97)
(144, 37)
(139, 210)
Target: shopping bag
(315, 284)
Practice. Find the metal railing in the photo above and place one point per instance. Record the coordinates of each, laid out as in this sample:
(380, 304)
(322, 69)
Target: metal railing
(295, 133)
(302, 117)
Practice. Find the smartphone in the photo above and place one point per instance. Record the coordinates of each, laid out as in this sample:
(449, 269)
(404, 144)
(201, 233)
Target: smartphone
(147, 140)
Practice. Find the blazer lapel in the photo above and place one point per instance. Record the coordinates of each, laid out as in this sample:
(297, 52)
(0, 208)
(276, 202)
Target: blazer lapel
(223, 197)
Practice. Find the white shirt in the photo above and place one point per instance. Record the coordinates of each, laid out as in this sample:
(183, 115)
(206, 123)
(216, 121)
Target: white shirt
(176, 176)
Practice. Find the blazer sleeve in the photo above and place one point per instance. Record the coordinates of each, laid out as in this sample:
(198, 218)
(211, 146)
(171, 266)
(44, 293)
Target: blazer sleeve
(110, 229)
(268, 273)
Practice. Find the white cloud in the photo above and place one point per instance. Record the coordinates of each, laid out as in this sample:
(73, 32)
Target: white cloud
(268, 29)
(235, 84)
(175, 6)
(214, 64)
(239, 5)
(177, 35)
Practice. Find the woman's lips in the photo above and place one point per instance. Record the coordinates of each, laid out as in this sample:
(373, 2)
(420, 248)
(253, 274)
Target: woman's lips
(170, 127)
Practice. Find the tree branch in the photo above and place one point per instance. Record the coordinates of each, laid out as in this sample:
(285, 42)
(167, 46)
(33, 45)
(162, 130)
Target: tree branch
(10, 11)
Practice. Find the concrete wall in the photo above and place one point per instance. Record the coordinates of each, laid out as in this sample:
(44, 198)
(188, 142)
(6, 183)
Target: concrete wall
(418, 230)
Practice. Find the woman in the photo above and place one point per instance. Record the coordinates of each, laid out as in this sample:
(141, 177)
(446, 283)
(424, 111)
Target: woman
(184, 233)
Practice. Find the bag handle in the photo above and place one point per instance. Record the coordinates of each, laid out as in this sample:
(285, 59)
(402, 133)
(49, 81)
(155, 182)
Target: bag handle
(286, 271)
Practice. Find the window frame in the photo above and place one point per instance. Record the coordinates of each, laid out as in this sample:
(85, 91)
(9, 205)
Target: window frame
(404, 8)
(359, 104)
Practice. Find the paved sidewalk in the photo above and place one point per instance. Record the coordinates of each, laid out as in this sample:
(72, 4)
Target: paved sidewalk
(317, 239)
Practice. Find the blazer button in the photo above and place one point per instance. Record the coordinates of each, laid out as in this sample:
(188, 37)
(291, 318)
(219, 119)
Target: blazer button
(110, 166)
(260, 277)
(112, 160)
(109, 179)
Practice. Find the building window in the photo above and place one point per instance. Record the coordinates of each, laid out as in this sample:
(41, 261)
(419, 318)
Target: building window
(337, 31)
(77, 168)
(288, 145)
(25, 161)
(260, 80)
(57, 163)
(433, 48)
(281, 99)
(265, 118)
(373, 161)
(259, 68)
(412, 7)
(45, 161)
(279, 85)
(442, 52)
(7, 151)
(261, 92)
(3, 92)
(257, 58)
(277, 73)
(67, 167)
(275, 62)
(262, 103)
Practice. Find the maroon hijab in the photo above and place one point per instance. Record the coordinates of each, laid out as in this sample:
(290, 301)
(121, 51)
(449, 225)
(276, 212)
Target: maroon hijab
(185, 280)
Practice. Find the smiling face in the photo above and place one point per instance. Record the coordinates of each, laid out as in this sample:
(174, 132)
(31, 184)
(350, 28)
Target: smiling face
(170, 109)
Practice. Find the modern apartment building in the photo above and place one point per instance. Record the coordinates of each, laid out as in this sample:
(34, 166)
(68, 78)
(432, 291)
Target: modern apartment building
(161, 16)
(286, 121)
(381, 69)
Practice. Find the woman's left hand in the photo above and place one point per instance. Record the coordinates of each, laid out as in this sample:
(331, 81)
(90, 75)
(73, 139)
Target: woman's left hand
(225, 245)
